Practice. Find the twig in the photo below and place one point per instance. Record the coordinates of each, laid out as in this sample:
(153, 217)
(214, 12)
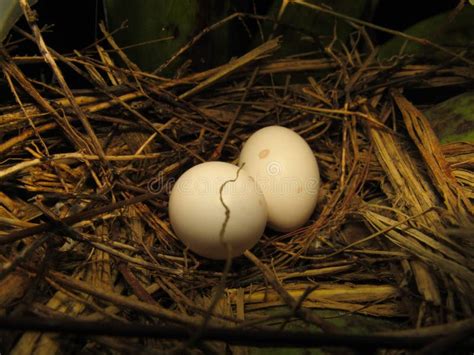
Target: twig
(138, 289)
(151, 309)
(76, 156)
(201, 34)
(27, 232)
(257, 337)
(218, 151)
(25, 135)
(22, 255)
(234, 65)
(67, 91)
(443, 344)
(15, 72)
(289, 300)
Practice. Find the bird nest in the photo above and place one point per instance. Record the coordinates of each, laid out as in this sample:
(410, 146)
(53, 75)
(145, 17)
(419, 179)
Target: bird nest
(86, 246)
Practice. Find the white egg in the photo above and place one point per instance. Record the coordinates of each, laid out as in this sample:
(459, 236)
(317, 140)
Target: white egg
(197, 213)
(284, 166)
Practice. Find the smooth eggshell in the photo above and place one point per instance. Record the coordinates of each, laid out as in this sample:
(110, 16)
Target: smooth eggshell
(197, 213)
(286, 170)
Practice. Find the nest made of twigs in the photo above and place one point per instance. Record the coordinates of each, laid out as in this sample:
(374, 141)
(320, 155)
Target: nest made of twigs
(85, 177)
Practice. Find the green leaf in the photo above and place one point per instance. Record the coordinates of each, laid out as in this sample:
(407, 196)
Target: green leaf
(453, 33)
(151, 20)
(453, 120)
(352, 323)
(10, 12)
(301, 25)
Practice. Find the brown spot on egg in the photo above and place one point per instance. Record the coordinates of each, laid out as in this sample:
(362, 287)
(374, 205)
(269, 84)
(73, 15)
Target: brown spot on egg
(264, 153)
(300, 189)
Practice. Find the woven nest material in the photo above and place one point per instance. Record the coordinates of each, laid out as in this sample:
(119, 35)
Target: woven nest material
(85, 177)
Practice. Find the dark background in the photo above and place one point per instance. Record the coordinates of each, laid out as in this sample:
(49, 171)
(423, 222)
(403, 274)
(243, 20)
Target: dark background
(75, 21)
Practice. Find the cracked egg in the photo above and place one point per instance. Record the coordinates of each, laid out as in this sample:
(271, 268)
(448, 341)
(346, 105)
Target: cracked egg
(215, 203)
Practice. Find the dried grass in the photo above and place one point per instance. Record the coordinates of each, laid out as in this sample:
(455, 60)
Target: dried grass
(85, 177)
